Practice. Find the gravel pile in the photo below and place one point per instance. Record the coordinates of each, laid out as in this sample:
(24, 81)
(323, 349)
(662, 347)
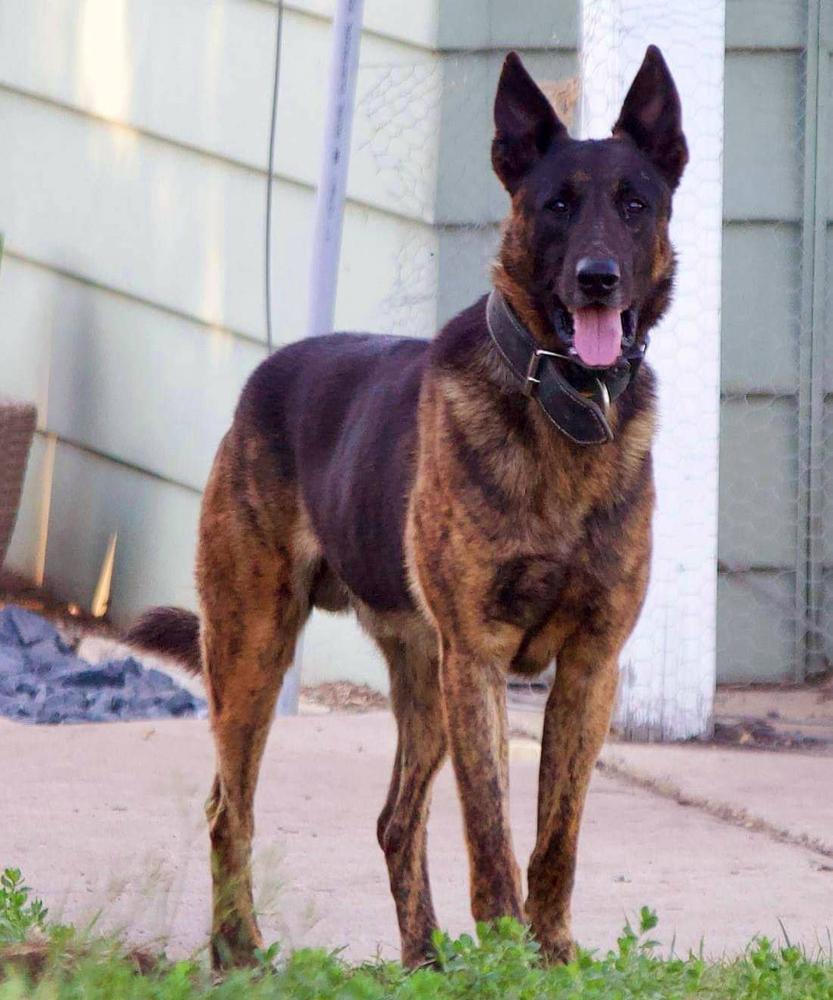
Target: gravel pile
(43, 681)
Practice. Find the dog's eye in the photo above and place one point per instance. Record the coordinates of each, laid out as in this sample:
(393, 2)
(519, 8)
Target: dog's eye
(634, 206)
(558, 206)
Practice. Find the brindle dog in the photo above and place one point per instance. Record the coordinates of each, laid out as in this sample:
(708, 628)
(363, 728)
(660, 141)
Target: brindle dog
(441, 492)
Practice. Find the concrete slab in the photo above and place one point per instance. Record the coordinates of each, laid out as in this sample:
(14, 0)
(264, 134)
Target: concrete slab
(109, 818)
(789, 791)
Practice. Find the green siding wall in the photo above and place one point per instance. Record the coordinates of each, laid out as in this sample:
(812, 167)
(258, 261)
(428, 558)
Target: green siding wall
(761, 519)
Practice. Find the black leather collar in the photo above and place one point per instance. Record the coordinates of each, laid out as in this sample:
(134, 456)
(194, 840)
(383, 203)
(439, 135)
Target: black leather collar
(578, 403)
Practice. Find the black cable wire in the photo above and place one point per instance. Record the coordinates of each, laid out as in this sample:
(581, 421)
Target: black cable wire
(271, 166)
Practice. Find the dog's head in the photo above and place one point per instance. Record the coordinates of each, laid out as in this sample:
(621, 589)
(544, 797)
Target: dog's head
(586, 248)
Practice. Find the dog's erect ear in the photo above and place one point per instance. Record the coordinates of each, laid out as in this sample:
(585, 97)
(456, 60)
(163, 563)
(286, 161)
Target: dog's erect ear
(525, 123)
(651, 116)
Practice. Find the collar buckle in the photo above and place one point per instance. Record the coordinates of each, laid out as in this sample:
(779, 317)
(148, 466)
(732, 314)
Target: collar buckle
(531, 379)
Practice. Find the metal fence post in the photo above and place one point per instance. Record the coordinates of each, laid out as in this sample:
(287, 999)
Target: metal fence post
(329, 214)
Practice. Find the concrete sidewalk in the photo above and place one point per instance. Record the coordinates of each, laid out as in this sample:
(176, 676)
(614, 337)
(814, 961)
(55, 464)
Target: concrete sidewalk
(109, 818)
(785, 794)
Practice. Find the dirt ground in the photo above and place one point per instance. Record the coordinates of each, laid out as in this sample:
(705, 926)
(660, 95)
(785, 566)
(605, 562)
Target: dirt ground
(724, 843)
(779, 716)
(762, 717)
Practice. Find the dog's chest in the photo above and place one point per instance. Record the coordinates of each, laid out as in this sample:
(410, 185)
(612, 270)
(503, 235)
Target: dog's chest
(517, 534)
(561, 573)
(529, 586)
(524, 588)
(535, 602)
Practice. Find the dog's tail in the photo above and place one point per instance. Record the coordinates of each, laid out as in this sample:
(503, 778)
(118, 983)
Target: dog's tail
(172, 632)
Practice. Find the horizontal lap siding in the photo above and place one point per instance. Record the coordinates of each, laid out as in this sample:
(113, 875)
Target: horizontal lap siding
(761, 280)
(180, 229)
(755, 622)
(92, 497)
(415, 23)
(452, 26)
(199, 73)
(132, 193)
(118, 376)
(132, 189)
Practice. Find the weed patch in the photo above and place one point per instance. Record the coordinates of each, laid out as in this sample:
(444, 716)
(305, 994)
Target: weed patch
(501, 962)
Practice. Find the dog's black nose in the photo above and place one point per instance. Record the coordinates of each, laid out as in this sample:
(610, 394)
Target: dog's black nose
(597, 276)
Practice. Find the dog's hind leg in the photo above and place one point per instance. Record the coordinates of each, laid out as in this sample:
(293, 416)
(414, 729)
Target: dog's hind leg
(402, 827)
(252, 613)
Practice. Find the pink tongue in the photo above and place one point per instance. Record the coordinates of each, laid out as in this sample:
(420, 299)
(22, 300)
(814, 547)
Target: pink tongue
(597, 335)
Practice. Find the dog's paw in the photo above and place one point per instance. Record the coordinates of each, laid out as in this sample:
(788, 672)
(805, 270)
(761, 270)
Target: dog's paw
(555, 940)
(235, 945)
(559, 950)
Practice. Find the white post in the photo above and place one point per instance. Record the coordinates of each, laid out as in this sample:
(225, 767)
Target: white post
(668, 668)
(329, 212)
(332, 183)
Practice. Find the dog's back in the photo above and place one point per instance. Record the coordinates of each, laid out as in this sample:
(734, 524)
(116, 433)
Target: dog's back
(339, 415)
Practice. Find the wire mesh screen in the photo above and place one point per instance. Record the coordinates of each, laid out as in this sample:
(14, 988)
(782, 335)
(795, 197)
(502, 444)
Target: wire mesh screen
(668, 665)
(423, 223)
(760, 543)
(397, 105)
(773, 623)
(752, 206)
(422, 139)
(773, 619)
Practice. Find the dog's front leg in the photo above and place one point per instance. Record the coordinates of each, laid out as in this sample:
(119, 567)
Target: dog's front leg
(576, 722)
(475, 706)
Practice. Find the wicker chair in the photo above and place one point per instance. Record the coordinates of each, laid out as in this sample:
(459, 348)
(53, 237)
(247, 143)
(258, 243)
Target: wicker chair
(17, 426)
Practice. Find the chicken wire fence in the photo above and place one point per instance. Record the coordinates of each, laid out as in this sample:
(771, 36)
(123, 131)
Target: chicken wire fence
(775, 620)
(741, 358)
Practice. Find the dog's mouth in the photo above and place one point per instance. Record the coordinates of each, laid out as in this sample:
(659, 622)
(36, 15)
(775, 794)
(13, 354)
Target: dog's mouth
(596, 336)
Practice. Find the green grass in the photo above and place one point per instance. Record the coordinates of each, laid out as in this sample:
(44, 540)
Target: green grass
(40, 961)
